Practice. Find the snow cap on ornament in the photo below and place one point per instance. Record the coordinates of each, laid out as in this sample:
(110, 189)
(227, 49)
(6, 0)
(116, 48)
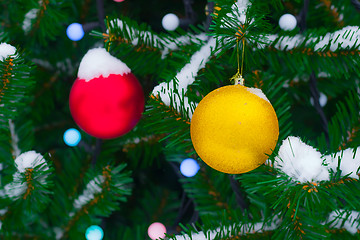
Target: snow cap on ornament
(97, 62)
(106, 100)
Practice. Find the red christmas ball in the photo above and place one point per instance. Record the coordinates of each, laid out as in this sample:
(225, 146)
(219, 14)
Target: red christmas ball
(107, 107)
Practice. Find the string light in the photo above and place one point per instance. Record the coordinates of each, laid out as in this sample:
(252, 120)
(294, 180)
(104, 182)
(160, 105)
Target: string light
(287, 22)
(156, 230)
(72, 137)
(75, 32)
(189, 167)
(170, 22)
(94, 232)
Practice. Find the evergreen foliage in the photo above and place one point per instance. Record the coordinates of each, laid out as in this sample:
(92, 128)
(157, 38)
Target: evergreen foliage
(127, 183)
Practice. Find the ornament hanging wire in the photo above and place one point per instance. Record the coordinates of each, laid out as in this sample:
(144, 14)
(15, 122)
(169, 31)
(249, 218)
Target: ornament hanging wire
(238, 77)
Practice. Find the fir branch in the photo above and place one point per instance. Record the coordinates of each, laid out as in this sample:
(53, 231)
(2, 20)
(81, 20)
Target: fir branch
(111, 187)
(29, 190)
(29, 179)
(240, 20)
(252, 236)
(317, 61)
(47, 86)
(44, 21)
(323, 54)
(14, 140)
(124, 31)
(40, 14)
(16, 84)
(345, 121)
(213, 191)
(173, 92)
(170, 109)
(215, 194)
(339, 182)
(342, 39)
(333, 11)
(129, 146)
(160, 117)
(352, 134)
(230, 230)
(79, 179)
(105, 187)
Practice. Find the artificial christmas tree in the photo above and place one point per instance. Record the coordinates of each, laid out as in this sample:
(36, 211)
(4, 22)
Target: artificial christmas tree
(132, 186)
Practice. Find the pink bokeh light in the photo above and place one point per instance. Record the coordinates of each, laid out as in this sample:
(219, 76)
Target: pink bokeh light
(156, 230)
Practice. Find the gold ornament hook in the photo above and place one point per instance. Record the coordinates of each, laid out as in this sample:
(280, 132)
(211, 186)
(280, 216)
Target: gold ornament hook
(238, 78)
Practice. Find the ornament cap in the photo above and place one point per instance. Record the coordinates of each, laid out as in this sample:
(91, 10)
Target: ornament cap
(237, 79)
(97, 62)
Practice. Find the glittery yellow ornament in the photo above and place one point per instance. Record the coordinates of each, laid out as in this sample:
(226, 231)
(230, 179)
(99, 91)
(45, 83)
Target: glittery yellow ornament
(234, 128)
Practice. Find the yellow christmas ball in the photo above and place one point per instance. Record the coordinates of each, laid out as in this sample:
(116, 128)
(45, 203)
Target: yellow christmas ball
(234, 128)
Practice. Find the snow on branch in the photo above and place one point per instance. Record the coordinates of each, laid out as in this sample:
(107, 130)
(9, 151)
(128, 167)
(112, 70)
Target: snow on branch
(304, 163)
(30, 159)
(29, 18)
(177, 87)
(347, 37)
(239, 10)
(27, 160)
(14, 140)
(225, 231)
(339, 219)
(6, 50)
(91, 189)
(300, 161)
(165, 44)
(349, 162)
(345, 219)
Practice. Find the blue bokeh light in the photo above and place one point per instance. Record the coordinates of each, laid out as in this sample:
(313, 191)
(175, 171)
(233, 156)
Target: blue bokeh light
(75, 31)
(189, 167)
(94, 232)
(72, 137)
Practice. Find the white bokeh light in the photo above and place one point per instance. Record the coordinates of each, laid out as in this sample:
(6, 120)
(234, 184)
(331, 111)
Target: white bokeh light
(170, 22)
(322, 100)
(189, 167)
(287, 22)
(75, 31)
